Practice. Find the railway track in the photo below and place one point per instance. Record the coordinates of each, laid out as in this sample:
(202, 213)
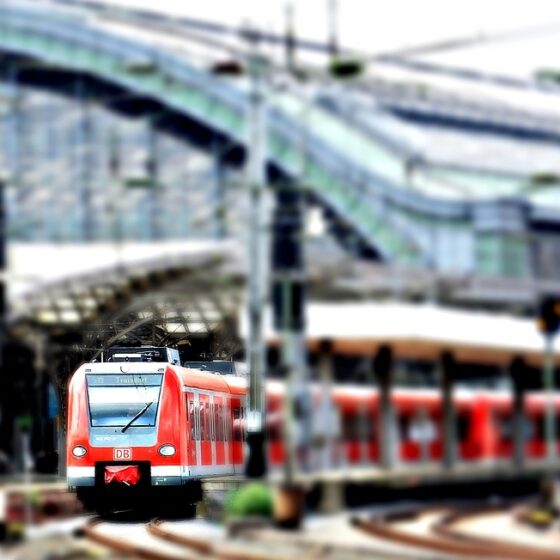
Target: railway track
(421, 534)
(160, 539)
(154, 541)
(462, 533)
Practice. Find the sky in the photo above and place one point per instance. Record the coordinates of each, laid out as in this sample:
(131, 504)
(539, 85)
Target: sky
(373, 26)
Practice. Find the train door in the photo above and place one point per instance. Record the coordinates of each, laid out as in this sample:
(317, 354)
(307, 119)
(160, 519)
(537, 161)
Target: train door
(219, 442)
(206, 447)
(212, 408)
(238, 433)
(193, 445)
(227, 431)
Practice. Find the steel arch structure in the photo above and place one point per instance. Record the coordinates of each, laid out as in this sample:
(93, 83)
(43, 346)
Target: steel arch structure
(220, 106)
(481, 225)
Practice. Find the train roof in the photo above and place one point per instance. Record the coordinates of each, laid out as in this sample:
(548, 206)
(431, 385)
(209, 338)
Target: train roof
(199, 379)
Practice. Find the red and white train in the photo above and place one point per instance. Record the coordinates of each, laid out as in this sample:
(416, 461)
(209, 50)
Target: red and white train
(138, 428)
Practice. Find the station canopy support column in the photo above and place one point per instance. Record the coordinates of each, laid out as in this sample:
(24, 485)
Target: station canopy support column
(288, 298)
(449, 427)
(327, 434)
(383, 371)
(518, 372)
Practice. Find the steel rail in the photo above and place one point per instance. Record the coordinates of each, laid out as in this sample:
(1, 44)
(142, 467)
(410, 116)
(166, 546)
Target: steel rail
(126, 546)
(444, 528)
(444, 539)
(209, 549)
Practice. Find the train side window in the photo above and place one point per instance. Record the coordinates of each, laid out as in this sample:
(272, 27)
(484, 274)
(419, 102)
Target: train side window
(238, 424)
(350, 427)
(366, 426)
(347, 427)
(195, 428)
(191, 417)
(357, 426)
(207, 422)
(464, 426)
(528, 429)
(202, 412)
(274, 427)
(212, 421)
(227, 421)
(220, 423)
(504, 424)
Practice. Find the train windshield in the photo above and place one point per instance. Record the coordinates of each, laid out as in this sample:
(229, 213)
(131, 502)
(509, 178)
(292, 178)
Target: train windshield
(115, 400)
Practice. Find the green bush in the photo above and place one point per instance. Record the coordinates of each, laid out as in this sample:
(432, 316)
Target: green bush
(252, 500)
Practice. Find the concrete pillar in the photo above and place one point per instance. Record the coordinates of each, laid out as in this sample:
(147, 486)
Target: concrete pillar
(328, 423)
(388, 442)
(449, 420)
(326, 431)
(288, 299)
(259, 270)
(518, 372)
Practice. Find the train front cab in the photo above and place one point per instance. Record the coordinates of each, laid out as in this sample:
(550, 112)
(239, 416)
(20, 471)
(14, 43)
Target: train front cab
(128, 435)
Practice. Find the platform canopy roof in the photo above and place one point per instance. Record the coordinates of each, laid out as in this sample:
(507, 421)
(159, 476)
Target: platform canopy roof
(423, 331)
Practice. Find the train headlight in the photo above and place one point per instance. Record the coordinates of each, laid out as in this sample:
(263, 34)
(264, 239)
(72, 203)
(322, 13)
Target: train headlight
(79, 451)
(167, 450)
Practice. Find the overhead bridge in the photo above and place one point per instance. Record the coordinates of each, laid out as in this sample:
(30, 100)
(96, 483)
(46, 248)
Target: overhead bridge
(437, 222)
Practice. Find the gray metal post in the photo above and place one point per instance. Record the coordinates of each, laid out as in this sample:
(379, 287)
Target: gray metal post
(86, 162)
(518, 370)
(3, 251)
(333, 27)
(325, 413)
(332, 495)
(16, 138)
(152, 171)
(290, 43)
(549, 387)
(449, 420)
(383, 370)
(258, 266)
(219, 199)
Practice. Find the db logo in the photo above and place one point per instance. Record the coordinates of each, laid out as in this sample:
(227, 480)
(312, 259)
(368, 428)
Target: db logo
(122, 454)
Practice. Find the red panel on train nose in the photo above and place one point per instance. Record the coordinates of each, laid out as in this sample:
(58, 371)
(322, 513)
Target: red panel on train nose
(122, 474)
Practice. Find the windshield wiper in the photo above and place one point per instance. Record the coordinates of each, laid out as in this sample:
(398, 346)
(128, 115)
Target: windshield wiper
(137, 416)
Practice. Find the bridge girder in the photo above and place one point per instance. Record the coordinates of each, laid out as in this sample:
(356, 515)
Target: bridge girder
(216, 105)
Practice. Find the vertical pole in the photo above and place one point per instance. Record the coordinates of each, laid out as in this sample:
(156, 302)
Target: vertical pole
(16, 137)
(290, 38)
(3, 250)
(219, 202)
(333, 28)
(517, 371)
(258, 263)
(152, 168)
(326, 414)
(332, 495)
(449, 421)
(549, 386)
(383, 369)
(288, 299)
(86, 163)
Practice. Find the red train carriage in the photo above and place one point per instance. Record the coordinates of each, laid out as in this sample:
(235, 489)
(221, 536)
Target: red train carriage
(139, 429)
